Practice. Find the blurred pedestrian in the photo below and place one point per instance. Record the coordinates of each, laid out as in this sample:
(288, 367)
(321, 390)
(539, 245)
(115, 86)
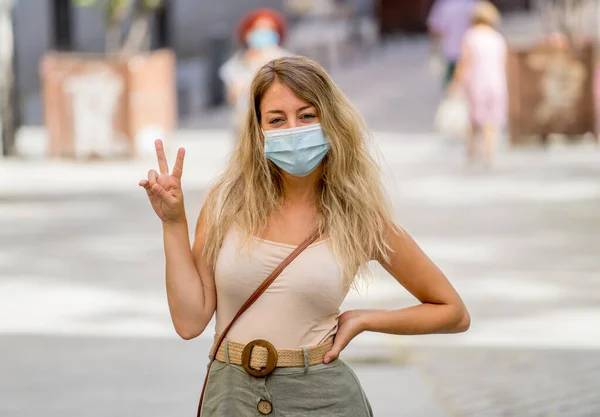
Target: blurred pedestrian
(481, 74)
(299, 212)
(448, 21)
(260, 34)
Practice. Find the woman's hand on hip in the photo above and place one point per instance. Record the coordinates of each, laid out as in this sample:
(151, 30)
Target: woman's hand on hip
(350, 324)
(164, 189)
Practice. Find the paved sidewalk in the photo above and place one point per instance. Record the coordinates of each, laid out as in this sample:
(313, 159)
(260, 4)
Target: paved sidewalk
(81, 274)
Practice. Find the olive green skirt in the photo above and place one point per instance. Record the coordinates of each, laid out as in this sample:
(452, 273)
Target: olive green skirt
(331, 390)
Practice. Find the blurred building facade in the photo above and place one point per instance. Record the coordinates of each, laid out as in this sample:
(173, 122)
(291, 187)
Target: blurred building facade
(411, 15)
(186, 26)
(197, 31)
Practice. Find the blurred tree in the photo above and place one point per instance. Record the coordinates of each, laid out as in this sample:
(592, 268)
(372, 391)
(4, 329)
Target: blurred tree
(116, 12)
(8, 105)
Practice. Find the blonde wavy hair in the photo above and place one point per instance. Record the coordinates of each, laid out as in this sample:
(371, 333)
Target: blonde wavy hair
(485, 13)
(354, 211)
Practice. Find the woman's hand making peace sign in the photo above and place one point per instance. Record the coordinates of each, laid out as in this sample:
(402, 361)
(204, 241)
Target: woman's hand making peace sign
(164, 189)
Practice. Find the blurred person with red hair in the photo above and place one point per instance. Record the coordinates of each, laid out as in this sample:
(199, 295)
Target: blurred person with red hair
(260, 33)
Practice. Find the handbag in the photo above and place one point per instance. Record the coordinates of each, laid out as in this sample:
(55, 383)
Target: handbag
(255, 295)
(452, 118)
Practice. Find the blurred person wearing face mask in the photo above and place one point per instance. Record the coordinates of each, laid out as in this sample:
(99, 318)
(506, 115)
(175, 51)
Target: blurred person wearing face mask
(261, 34)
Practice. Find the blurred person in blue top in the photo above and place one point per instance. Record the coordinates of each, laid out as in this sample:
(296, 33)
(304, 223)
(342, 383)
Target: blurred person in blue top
(261, 34)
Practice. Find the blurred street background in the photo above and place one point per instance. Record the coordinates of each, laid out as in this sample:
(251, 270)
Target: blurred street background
(84, 324)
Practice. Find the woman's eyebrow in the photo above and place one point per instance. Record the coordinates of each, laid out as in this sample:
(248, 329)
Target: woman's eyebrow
(282, 112)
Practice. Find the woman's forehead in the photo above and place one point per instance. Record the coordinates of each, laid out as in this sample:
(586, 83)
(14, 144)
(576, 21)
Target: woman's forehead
(280, 97)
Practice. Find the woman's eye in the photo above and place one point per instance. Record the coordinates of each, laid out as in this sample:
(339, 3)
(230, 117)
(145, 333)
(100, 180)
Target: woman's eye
(308, 116)
(276, 120)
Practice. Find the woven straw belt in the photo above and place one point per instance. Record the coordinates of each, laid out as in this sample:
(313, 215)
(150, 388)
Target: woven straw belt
(286, 358)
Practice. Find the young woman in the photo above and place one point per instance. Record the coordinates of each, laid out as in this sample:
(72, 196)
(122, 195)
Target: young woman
(301, 165)
(481, 73)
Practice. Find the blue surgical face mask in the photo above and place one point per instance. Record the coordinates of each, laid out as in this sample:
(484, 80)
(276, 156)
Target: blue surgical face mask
(299, 150)
(262, 38)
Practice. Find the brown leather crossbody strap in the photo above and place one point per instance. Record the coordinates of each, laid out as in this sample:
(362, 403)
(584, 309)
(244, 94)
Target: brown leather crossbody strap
(255, 295)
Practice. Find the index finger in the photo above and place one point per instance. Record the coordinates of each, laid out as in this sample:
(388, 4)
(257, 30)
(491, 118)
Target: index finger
(178, 167)
(163, 167)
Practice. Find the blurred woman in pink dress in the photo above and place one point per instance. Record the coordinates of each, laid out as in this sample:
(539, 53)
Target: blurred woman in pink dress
(481, 74)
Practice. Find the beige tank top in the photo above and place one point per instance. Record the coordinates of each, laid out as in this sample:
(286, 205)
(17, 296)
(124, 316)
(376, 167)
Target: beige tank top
(301, 306)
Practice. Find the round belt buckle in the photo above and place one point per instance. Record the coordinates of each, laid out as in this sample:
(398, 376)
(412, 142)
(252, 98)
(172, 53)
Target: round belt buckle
(271, 358)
